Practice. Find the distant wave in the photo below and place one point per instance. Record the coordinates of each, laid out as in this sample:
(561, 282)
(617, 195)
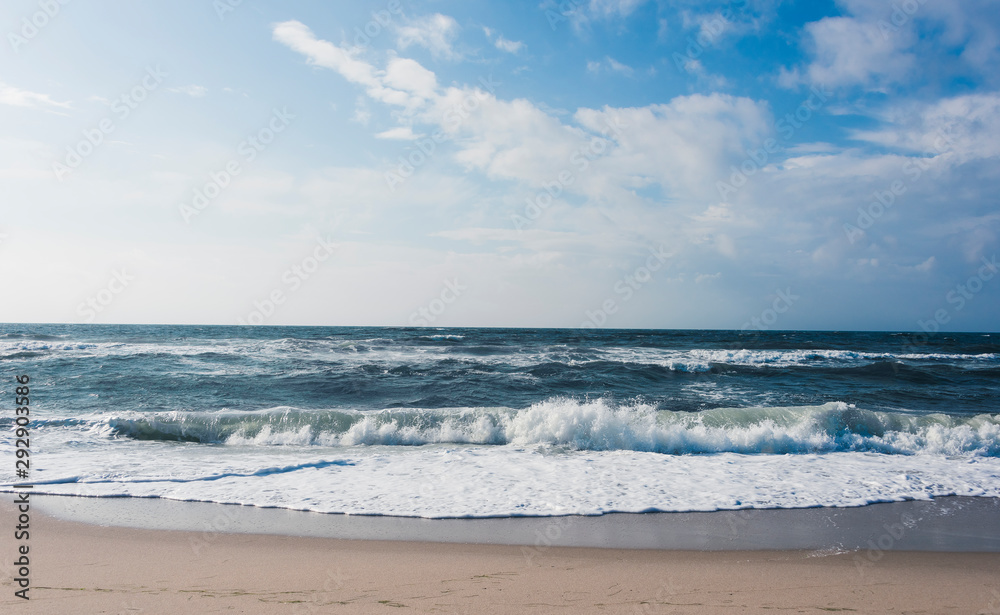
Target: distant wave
(30, 336)
(582, 425)
(451, 347)
(699, 360)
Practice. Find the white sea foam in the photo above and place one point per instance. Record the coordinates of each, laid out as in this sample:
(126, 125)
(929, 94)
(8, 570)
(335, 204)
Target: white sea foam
(476, 481)
(596, 425)
(558, 457)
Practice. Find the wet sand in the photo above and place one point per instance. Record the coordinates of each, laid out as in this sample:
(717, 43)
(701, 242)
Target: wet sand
(87, 568)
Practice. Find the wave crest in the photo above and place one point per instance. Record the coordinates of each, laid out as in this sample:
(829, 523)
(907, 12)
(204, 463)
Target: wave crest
(598, 425)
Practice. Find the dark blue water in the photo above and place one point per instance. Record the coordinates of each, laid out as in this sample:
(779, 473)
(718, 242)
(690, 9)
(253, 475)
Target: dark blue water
(97, 368)
(487, 422)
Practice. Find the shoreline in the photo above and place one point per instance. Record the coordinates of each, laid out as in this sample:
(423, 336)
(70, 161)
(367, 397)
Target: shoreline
(953, 523)
(90, 568)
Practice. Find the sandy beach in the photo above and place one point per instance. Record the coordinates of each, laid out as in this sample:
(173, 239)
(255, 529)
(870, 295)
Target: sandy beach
(559, 306)
(89, 568)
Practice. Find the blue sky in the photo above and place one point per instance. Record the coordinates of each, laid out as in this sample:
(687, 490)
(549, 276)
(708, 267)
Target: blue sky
(616, 163)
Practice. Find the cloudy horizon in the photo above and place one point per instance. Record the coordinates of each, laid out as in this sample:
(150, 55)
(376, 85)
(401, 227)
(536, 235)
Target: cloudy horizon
(609, 163)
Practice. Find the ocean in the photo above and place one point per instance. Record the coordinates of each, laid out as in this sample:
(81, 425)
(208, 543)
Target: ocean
(482, 422)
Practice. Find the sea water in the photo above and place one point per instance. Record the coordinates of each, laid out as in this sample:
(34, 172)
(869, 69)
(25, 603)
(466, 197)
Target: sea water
(503, 422)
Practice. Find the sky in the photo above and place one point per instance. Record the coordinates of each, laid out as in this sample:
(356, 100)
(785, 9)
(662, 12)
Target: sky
(575, 163)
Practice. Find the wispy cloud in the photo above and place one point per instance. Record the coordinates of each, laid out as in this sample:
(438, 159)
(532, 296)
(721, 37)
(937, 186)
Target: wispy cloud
(610, 64)
(400, 133)
(501, 43)
(194, 91)
(16, 97)
(884, 48)
(404, 83)
(362, 114)
(435, 32)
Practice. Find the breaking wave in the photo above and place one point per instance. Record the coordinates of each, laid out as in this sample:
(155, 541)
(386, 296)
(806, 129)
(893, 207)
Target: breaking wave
(598, 425)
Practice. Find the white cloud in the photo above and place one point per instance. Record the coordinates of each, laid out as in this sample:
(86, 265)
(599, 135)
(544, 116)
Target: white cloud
(849, 51)
(507, 45)
(789, 78)
(504, 44)
(483, 235)
(194, 91)
(518, 140)
(613, 8)
(580, 13)
(435, 32)
(298, 37)
(685, 145)
(618, 67)
(409, 75)
(16, 97)
(663, 28)
(400, 133)
(509, 139)
(611, 65)
(362, 114)
(708, 80)
(968, 126)
(880, 46)
(678, 151)
(968, 31)
(656, 173)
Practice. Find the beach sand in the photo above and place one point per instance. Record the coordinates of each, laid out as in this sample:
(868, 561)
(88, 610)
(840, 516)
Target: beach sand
(86, 568)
